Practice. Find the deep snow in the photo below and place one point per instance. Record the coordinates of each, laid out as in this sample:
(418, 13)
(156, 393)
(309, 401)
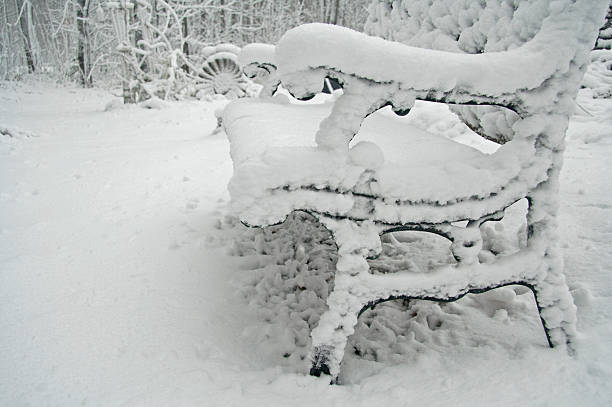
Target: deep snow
(120, 282)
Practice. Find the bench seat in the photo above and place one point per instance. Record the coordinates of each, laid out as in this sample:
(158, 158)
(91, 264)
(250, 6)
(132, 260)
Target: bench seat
(417, 175)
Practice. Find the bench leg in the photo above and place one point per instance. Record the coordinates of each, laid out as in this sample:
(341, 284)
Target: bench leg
(329, 338)
(356, 241)
(555, 303)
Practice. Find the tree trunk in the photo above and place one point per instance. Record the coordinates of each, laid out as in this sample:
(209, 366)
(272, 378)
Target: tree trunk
(185, 34)
(6, 39)
(25, 33)
(154, 15)
(83, 45)
(334, 19)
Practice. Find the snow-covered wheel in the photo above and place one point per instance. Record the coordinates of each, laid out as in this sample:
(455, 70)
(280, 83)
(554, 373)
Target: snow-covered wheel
(221, 73)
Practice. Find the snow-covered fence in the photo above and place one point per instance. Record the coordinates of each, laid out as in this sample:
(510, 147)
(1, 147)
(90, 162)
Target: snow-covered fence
(363, 178)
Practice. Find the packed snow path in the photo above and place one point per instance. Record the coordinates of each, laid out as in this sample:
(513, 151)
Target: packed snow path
(116, 288)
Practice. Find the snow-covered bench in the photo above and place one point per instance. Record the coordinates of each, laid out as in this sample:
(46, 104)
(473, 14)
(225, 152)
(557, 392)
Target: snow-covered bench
(363, 173)
(258, 63)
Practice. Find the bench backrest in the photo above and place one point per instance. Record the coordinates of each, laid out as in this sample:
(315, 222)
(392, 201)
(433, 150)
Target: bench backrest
(467, 27)
(537, 80)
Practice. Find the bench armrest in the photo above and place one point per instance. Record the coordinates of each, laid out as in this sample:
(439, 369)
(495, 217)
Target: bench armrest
(490, 78)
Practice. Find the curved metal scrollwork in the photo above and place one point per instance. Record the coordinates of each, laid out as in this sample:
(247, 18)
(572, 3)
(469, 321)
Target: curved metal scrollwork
(221, 74)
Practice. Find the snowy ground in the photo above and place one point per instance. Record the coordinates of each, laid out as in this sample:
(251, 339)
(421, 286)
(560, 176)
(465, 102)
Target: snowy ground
(120, 283)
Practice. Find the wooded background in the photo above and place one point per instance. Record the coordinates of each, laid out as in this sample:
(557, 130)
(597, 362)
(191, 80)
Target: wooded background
(158, 47)
(75, 39)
